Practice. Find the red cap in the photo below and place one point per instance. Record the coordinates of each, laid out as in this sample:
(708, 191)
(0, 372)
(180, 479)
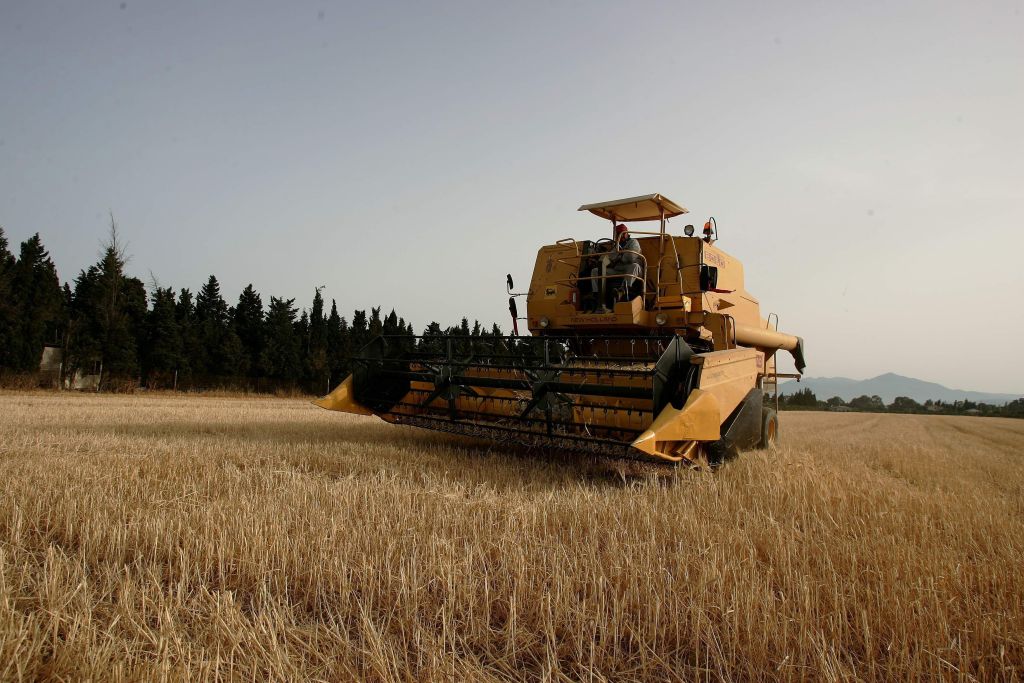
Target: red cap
(620, 228)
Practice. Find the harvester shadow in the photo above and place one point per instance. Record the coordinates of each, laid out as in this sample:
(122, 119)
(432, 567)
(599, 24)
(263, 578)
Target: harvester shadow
(558, 468)
(503, 465)
(469, 459)
(268, 433)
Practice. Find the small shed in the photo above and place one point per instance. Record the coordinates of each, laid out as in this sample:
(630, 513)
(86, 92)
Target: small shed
(51, 366)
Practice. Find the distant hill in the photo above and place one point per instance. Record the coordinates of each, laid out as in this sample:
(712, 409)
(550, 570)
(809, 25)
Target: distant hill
(889, 386)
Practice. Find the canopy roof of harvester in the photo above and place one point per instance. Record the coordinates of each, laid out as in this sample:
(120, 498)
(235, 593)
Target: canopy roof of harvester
(647, 207)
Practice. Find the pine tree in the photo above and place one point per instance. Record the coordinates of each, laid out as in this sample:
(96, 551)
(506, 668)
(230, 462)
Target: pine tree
(281, 354)
(135, 312)
(210, 319)
(247, 321)
(431, 341)
(37, 304)
(8, 317)
(185, 314)
(231, 357)
(210, 305)
(118, 345)
(164, 349)
(108, 314)
(220, 350)
(461, 346)
(84, 340)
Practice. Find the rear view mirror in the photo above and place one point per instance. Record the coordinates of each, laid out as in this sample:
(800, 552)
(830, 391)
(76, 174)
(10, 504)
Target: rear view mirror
(512, 307)
(708, 278)
(508, 280)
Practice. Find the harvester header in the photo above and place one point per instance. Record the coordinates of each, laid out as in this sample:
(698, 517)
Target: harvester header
(642, 344)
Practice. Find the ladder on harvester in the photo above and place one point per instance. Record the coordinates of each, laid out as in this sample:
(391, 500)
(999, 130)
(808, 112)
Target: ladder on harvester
(772, 378)
(676, 300)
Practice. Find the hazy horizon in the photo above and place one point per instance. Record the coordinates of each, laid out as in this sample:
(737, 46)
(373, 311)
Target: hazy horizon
(863, 161)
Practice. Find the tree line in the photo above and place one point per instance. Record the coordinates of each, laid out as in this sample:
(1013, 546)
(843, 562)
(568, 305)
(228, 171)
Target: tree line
(110, 328)
(805, 399)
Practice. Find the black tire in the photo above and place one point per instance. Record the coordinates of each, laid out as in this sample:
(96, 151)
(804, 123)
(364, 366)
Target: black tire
(769, 428)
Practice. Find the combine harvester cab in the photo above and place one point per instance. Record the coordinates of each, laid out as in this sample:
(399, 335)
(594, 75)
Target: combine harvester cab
(643, 346)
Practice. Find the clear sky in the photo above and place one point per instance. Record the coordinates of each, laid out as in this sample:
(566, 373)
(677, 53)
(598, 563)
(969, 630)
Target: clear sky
(865, 160)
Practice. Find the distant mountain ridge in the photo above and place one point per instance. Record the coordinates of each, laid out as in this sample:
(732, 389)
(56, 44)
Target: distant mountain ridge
(888, 387)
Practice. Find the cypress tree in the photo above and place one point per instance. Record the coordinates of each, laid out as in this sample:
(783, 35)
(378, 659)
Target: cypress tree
(67, 296)
(376, 325)
(390, 325)
(360, 331)
(302, 334)
(319, 363)
(339, 347)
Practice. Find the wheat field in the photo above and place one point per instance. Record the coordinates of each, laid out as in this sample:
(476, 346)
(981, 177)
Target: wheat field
(175, 537)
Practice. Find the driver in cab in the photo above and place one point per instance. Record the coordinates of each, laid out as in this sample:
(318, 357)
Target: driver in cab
(623, 266)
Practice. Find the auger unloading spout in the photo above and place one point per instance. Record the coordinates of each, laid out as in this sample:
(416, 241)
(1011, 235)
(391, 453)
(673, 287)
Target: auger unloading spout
(644, 344)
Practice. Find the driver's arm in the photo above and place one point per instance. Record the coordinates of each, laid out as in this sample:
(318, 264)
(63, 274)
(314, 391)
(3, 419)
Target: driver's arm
(629, 252)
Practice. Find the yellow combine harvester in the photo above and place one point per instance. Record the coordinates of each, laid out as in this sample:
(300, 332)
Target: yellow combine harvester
(644, 345)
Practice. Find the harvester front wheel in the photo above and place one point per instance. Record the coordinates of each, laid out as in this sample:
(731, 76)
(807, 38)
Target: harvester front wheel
(769, 428)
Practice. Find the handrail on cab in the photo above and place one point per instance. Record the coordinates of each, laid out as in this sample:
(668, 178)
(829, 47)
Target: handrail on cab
(566, 241)
(575, 279)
